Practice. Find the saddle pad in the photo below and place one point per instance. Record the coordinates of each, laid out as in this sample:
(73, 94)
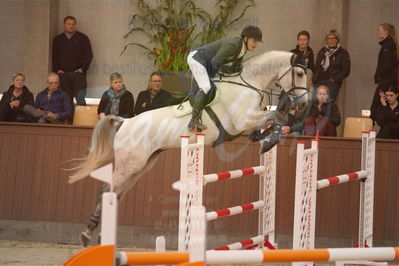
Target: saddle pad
(185, 108)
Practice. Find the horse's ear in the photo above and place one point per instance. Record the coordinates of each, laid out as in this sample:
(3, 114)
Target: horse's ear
(294, 59)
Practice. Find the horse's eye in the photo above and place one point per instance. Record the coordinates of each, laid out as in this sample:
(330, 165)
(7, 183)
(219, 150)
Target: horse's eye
(300, 74)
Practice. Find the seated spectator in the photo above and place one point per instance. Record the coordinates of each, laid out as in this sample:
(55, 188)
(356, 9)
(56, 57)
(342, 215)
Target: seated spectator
(14, 99)
(52, 105)
(323, 116)
(154, 97)
(387, 116)
(332, 65)
(305, 55)
(116, 100)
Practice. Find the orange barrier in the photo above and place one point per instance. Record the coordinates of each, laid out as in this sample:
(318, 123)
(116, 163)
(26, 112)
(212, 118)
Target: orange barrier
(96, 255)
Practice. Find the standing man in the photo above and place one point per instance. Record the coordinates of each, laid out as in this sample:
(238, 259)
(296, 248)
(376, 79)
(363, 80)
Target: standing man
(154, 97)
(71, 58)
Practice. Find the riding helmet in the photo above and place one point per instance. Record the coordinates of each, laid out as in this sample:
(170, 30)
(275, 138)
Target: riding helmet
(252, 32)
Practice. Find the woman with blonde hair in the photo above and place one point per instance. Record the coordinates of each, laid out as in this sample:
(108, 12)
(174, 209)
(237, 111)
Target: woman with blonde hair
(385, 74)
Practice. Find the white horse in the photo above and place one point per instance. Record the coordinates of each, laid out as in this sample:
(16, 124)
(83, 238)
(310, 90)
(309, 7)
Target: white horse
(240, 108)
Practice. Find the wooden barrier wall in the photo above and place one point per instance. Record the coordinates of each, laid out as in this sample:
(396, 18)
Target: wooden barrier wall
(32, 186)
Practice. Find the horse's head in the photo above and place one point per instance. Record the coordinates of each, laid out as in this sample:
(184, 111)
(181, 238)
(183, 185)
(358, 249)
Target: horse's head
(293, 82)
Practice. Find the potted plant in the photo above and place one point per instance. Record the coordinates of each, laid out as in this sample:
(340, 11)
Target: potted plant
(173, 27)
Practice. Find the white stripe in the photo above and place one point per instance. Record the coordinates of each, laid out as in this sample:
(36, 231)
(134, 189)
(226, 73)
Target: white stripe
(123, 257)
(322, 183)
(236, 173)
(343, 179)
(258, 204)
(259, 169)
(211, 178)
(361, 254)
(235, 210)
(211, 216)
(235, 246)
(234, 257)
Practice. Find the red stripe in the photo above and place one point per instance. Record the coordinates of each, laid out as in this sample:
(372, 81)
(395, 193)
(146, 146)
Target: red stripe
(246, 207)
(223, 175)
(353, 176)
(247, 242)
(248, 171)
(223, 212)
(333, 180)
(223, 248)
(252, 247)
(269, 245)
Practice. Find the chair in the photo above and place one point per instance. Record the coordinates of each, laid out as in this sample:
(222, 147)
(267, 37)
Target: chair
(85, 115)
(355, 125)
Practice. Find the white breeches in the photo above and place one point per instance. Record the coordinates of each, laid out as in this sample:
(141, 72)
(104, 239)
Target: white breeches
(199, 72)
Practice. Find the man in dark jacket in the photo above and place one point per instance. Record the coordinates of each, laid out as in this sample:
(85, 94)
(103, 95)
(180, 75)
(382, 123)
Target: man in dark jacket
(332, 65)
(52, 105)
(154, 97)
(71, 58)
(206, 61)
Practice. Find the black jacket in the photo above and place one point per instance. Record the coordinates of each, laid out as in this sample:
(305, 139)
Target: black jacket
(71, 54)
(126, 105)
(306, 59)
(329, 110)
(385, 115)
(26, 98)
(386, 65)
(216, 55)
(161, 99)
(339, 68)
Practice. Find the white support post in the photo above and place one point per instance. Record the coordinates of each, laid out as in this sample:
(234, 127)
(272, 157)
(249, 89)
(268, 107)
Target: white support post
(197, 245)
(267, 193)
(160, 246)
(109, 218)
(191, 182)
(367, 190)
(305, 198)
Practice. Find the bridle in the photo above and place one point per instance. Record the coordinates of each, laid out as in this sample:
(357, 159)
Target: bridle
(291, 92)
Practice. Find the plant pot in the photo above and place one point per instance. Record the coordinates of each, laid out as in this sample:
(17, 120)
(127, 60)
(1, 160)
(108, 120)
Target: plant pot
(177, 82)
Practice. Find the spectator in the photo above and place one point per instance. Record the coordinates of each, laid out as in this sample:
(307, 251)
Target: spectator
(116, 100)
(332, 65)
(14, 99)
(386, 66)
(52, 105)
(154, 97)
(71, 58)
(387, 114)
(305, 55)
(323, 116)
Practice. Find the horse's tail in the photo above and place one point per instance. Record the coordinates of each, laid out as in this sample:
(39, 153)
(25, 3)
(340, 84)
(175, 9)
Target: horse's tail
(101, 150)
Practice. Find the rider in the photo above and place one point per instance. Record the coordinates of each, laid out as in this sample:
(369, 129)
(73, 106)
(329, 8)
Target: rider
(207, 60)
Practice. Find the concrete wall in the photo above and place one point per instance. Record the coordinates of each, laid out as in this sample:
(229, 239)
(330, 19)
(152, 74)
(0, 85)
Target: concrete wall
(29, 26)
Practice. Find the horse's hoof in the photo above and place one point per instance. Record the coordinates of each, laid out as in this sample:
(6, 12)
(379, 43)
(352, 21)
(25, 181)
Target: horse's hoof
(84, 239)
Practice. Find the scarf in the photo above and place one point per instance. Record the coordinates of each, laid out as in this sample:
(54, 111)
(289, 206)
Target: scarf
(114, 100)
(325, 63)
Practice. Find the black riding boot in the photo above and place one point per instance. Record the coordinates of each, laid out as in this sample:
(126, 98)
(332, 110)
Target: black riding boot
(273, 139)
(197, 101)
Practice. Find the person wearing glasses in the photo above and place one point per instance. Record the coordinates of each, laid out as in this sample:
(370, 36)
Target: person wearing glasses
(52, 105)
(154, 97)
(332, 65)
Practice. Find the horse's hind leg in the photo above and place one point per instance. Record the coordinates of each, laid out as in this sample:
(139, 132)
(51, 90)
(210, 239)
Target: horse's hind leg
(94, 220)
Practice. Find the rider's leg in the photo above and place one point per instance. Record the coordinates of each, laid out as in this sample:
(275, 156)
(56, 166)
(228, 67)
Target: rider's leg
(198, 98)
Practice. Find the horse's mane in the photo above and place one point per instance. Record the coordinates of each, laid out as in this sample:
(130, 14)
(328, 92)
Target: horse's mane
(267, 56)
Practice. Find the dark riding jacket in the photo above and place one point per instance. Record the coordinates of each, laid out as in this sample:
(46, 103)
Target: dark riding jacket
(386, 66)
(216, 55)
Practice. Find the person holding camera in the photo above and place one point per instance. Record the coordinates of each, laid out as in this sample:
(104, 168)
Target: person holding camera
(324, 115)
(387, 115)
